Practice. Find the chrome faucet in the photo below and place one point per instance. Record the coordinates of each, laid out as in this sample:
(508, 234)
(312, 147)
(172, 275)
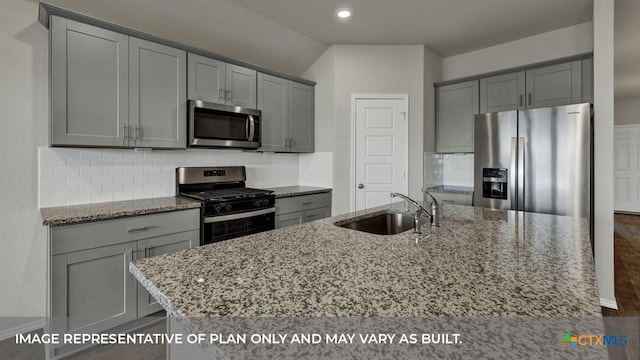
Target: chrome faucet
(419, 211)
(435, 209)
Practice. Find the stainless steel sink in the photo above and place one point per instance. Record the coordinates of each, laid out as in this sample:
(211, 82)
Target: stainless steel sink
(389, 223)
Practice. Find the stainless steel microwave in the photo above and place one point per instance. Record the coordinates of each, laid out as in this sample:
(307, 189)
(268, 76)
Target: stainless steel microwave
(223, 126)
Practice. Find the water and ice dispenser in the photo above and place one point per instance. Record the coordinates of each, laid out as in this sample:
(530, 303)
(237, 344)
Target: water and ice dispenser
(494, 183)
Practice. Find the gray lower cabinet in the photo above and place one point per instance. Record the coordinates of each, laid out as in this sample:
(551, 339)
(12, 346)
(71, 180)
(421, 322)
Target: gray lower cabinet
(456, 105)
(90, 287)
(297, 210)
(157, 95)
(554, 85)
(287, 123)
(215, 81)
(110, 89)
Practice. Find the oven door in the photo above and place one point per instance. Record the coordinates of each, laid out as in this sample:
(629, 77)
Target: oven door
(223, 227)
(216, 125)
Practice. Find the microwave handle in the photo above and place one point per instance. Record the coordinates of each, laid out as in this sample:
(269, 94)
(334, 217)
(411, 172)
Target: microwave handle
(251, 126)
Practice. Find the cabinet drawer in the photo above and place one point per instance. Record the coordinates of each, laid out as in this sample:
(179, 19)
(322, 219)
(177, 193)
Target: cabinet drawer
(89, 235)
(300, 203)
(456, 199)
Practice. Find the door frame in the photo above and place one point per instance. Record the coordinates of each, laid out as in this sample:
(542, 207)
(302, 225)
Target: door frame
(354, 98)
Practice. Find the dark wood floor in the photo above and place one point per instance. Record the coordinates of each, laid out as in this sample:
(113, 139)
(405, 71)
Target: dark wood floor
(626, 266)
(627, 285)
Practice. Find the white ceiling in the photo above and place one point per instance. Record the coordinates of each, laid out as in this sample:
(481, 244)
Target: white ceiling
(448, 27)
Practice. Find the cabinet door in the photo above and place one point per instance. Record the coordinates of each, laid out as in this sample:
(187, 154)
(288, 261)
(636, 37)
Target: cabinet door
(503, 92)
(456, 106)
(554, 85)
(240, 86)
(92, 290)
(147, 304)
(273, 102)
(317, 214)
(289, 219)
(301, 115)
(158, 95)
(206, 79)
(89, 87)
(587, 80)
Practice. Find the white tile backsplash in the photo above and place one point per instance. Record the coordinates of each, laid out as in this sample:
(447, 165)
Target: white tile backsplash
(457, 169)
(316, 169)
(70, 176)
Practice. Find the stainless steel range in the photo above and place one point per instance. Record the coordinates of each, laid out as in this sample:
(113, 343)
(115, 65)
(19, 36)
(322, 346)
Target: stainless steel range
(229, 208)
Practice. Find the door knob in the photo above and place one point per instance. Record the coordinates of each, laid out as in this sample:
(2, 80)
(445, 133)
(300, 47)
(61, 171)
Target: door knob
(360, 186)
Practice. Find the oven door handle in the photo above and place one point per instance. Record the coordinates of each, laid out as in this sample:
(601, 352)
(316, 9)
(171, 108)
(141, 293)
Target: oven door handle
(244, 215)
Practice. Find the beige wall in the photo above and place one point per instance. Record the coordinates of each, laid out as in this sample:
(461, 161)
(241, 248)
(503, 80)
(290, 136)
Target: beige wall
(23, 127)
(603, 25)
(627, 111)
(367, 69)
(572, 40)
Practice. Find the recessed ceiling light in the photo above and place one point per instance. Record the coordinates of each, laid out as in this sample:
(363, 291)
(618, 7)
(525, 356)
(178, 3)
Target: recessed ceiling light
(343, 13)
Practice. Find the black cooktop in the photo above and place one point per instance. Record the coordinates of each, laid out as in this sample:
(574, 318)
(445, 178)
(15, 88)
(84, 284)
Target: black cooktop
(229, 194)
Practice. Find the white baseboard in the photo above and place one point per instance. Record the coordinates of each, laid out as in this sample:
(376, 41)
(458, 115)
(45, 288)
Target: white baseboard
(24, 328)
(611, 304)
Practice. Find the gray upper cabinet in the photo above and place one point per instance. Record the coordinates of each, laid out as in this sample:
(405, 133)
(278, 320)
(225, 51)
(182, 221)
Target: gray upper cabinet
(157, 95)
(587, 80)
(241, 86)
(218, 82)
(206, 79)
(301, 116)
(112, 90)
(502, 92)
(89, 85)
(554, 85)
(287, 123)
(273, 102)
(456, 106)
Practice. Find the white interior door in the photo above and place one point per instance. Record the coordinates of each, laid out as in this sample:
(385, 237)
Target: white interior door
(380, 144)
(627, 168)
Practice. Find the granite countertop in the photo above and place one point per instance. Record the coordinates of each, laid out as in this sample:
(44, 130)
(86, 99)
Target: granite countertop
(480, 262)
(62, 215)
(451, 189)
(486, 274)
(289, 191)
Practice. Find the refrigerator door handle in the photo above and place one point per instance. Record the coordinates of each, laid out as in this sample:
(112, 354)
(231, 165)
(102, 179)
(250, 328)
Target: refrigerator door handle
(512, 176)
(521, 183)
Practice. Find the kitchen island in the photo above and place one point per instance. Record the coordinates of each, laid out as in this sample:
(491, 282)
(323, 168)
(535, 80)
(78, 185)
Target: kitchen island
(479, 264)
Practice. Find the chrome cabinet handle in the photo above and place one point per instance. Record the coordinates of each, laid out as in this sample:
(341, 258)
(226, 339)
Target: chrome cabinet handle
(521, 96)
(228, 95)
(139, 229)
(221, 94)
(530, 101)
(125, 133)
(360, 186)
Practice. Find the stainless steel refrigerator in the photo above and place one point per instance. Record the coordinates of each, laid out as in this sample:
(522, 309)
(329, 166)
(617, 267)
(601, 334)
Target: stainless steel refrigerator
(536, 160)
